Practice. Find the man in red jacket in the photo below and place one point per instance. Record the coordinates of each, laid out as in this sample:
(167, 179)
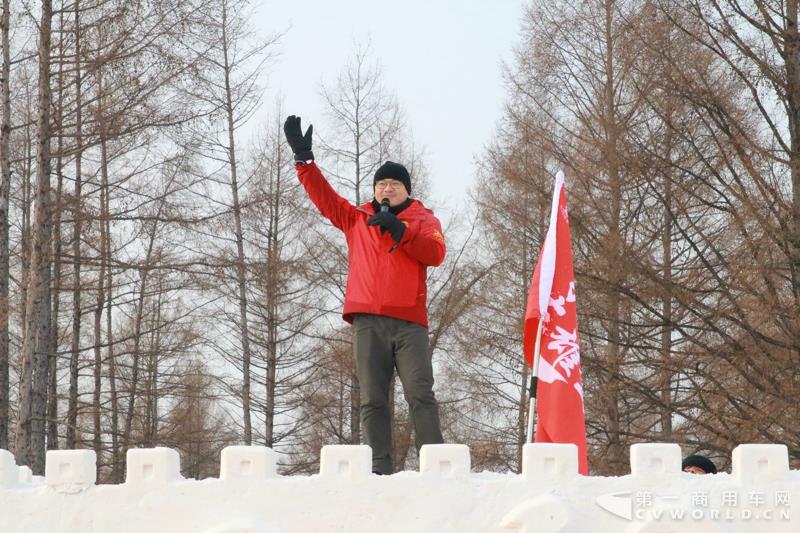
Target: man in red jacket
(391, 242)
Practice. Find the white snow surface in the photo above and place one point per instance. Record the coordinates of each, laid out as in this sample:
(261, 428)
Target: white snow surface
(549, 495)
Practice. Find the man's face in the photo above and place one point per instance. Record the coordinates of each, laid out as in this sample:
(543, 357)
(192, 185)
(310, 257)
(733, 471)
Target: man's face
(394, 190)
(694, 470)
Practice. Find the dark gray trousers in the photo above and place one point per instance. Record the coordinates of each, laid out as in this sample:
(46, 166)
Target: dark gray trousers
(381, 344)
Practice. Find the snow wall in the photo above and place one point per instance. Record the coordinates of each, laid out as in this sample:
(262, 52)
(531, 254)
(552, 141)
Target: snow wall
(549, 495)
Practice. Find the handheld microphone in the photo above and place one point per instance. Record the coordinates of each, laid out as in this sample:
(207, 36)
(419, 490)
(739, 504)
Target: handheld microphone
(384, 209)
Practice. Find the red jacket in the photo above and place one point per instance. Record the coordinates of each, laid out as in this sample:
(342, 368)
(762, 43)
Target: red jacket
(378, 282)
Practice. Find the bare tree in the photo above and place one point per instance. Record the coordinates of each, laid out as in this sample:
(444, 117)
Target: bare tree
(487, 372)
(30, 445)
(5, 190)
(77, 215)
(679, 172)
(580, 81)
(229, 81)
(741, 166)
(366, 121)
(196, 426)
(279, 284)
(585, 97)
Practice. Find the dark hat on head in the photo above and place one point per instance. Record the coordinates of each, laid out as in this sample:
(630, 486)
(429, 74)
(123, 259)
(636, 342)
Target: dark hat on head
(700, 462)
(395, 171)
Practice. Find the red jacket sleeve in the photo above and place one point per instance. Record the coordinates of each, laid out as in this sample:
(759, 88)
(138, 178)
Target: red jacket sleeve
(423, 240)
(332, 206)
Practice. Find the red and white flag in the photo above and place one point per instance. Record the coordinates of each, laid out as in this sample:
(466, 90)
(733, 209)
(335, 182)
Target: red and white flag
(551, 301)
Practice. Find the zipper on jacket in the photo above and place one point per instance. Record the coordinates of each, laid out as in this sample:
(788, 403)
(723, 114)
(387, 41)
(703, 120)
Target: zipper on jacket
(382, 270)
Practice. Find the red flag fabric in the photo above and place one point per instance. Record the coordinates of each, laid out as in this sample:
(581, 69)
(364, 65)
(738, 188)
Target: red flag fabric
(551, 301)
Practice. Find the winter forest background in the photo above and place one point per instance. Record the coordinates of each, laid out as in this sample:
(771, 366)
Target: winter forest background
(164, 281)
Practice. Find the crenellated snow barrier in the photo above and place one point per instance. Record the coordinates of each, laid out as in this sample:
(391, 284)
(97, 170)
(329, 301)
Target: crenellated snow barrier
(549, 495)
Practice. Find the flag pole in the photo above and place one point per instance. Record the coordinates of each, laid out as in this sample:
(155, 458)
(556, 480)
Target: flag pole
(534, 381)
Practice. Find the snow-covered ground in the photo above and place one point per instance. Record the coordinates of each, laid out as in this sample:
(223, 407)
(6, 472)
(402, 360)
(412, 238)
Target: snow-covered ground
(444, 495)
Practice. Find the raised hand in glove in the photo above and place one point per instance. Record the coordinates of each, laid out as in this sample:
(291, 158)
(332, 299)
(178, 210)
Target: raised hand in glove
(300, 144)
(388, 222)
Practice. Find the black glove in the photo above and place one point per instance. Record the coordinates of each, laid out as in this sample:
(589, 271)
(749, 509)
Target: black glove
(301, 144)
(388, 222)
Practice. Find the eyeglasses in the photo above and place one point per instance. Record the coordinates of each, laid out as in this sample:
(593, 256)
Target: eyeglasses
(382, 184)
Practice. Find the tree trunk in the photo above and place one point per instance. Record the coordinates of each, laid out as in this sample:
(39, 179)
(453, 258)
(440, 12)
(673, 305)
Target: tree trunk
(613, 257)
(144, 274)
(105, 267)
(240, 256)
(98, 318)
(155, 350)
(666, 304)
(77, 213)
(30, 444)
(151, 386)
(273, 293)
(355, 386)
(134, 381)
(116, 462)
(792, 55)
(52, 394)
(25, 238)
(524, 413)
(5, 188)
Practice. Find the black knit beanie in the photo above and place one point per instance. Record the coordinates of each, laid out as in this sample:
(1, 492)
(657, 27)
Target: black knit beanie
(395, 171)
(701, 462)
